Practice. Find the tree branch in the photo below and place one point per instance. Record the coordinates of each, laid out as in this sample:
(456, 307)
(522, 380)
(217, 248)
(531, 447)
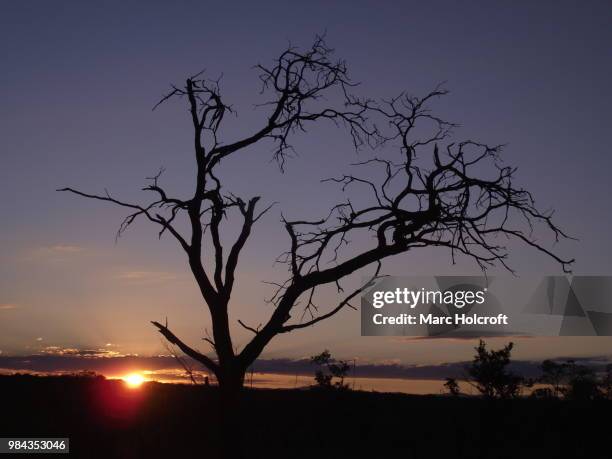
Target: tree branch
(199, 357)
(341, 305)
(140, 210)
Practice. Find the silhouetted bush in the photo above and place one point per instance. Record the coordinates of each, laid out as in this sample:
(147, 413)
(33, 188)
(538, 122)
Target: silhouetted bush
(489, 374)
(452, 387)
(330, 368)
(574, 381)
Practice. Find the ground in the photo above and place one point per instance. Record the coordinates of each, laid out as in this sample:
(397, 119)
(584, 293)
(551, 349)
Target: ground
(106, 418)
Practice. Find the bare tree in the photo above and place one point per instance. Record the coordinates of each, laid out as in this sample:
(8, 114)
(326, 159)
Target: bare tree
(448, 202)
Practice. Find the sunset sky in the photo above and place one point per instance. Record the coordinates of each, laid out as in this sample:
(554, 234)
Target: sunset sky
(78, 82)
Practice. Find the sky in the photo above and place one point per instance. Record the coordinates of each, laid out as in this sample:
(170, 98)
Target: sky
(78, 83)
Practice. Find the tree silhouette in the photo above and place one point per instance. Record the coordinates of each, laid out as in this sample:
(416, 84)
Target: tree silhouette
(459, 196)
(489, 372)
(574, 381)
(330, 368)
(452, 387)
(582, 383)
(554, 374)
(606, 382)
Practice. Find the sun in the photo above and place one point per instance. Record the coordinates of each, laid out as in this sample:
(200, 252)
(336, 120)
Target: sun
(133, 380)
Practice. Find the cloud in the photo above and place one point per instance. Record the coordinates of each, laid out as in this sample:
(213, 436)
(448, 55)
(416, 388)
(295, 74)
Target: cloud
(64, 248)
(465, 335)
(8, 306)
(112, 363)
(146, 276)
(56, 252)
(56, 350)
(83, 353)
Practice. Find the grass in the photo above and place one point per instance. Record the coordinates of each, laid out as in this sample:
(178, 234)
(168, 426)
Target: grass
(105, 418)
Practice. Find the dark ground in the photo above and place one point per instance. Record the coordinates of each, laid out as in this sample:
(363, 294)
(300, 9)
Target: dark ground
(104, 418)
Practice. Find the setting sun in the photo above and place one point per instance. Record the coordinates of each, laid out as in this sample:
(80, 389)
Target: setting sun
(134, 380)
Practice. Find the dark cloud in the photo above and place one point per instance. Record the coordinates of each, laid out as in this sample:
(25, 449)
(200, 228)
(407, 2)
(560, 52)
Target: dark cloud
(116, 365)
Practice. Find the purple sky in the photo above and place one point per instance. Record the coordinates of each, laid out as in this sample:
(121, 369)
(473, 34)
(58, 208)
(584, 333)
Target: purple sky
(78, 84)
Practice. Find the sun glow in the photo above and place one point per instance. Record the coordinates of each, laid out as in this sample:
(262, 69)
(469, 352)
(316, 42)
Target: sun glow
(133, 380)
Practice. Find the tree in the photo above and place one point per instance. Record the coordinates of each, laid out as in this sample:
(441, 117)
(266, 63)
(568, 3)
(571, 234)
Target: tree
(581, 383)
(555, 375)
(462, 199)
(489, 372)
(575, 381)
(606, 382)
(330, 368)
(452, 387)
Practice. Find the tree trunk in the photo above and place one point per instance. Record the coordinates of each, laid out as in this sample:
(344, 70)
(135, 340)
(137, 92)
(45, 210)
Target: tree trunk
(231, 380)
